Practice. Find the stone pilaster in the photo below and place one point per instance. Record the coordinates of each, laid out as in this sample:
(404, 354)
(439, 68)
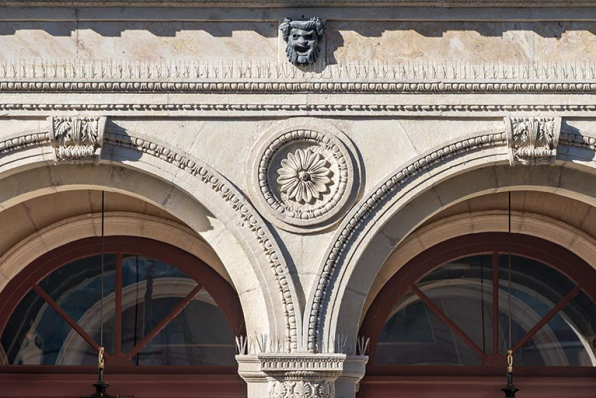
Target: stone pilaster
(301, 375)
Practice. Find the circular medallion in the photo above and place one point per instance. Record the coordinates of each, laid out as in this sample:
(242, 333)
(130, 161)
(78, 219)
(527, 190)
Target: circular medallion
(304, 176)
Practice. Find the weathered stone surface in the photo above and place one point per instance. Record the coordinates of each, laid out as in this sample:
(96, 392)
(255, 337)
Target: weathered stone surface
(307, 188)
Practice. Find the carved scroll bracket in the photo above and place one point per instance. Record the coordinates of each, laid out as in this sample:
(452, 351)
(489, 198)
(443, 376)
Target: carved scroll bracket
(76, 139)
(297, 375)
(532, 140)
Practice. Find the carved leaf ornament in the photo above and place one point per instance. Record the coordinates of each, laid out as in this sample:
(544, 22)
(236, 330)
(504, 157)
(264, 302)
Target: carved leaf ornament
(304, 176)
(532, 140)
(76, 139)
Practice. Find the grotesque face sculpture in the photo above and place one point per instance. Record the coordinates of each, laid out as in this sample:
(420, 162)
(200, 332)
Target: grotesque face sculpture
(303, 40)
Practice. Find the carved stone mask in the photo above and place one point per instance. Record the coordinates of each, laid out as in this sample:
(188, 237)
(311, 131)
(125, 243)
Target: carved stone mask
(303, 40)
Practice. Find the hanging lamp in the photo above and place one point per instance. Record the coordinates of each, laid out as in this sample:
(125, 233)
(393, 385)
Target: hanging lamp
(510, 389)
(100, 385)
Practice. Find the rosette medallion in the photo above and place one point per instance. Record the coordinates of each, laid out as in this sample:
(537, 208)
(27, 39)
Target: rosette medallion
(304, 176)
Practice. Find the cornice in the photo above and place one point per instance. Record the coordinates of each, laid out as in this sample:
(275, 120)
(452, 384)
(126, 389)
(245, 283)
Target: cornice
(299, 3)
(269, 78)
(294, 86)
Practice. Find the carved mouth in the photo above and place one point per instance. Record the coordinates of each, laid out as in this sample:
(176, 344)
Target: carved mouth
(301, 50)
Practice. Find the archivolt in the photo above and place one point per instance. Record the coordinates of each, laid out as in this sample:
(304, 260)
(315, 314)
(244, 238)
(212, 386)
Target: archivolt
(373, 207)
(229, 196)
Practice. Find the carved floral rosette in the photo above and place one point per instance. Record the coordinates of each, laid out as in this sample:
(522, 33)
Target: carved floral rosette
(532, 140)
(76, 139)
(304, 177)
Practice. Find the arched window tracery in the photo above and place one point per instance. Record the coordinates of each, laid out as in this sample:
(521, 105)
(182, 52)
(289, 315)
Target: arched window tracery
(162, 308)
(446, 311)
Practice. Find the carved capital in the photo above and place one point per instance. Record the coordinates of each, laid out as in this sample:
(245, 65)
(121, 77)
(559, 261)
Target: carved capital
(293, 375)
(76, 139)
(532, 140)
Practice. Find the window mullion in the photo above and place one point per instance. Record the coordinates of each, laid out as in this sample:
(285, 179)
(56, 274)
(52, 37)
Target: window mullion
(495, 303)
(547, 318)
(118, 315)
(164, 322)
(66, 317)
(448, 321)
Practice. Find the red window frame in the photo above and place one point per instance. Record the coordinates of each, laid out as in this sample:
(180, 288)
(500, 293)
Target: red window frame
(563, 260)
(126, 377)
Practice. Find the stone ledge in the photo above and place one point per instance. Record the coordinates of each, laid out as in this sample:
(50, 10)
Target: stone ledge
(299, 3)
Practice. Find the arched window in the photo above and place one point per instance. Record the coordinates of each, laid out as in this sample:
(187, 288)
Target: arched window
(164, 311)
(446, 312)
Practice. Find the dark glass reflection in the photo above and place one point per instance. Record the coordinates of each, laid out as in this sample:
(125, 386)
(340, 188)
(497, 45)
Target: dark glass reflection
(199, 335)
(535, 289)
(76, 288)
(462, 290)
(566, 340)
(37, 335)
(151, 290)
(415, 335)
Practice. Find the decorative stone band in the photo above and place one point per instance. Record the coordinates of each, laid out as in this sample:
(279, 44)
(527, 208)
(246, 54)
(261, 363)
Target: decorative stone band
(295, 109)
(298, 86)
(294, 375)
(76, 139)
(302, 3)
(532, 140)
(240, 76)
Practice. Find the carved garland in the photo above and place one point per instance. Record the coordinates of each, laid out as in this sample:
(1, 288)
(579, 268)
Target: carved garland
(238, 203)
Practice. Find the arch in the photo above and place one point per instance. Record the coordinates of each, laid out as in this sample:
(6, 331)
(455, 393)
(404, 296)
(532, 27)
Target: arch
(188, 189)
(561, 259)
(413, 193)
(117, 223)
(203, 275)
(532, 224)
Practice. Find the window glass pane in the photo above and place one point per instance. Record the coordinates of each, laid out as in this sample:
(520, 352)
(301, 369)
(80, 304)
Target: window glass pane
(37, 335)
(199, 335)
(414, 335)
(76, 288)
(566, 340)
(462, 289)
(151, 290)
(536, 288)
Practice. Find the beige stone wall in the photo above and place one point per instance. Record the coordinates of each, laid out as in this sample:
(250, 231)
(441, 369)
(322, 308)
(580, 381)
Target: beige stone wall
(408, 120)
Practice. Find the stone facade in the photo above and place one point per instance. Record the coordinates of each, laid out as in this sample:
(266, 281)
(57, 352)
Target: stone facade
(306, 185)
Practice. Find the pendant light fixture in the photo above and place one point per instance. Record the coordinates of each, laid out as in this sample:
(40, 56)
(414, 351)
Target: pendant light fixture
(100, 385)
(510, 388)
